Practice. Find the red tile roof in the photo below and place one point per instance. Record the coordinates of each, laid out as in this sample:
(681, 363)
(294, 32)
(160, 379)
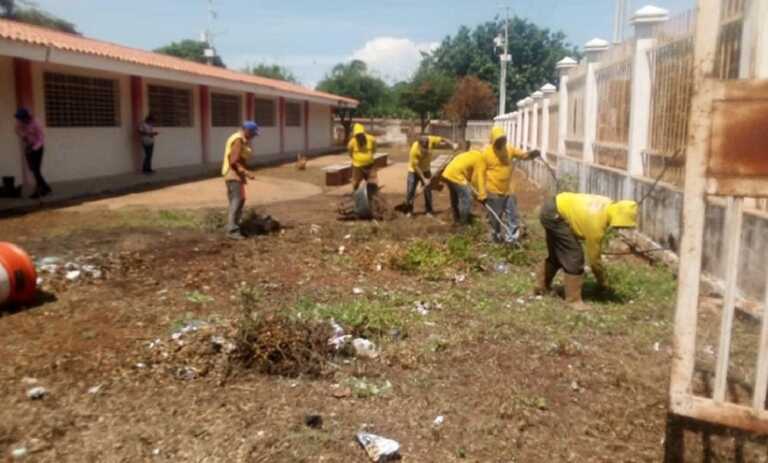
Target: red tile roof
(19, 32)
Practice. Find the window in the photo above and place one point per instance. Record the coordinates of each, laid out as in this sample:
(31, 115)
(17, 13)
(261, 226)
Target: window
(293, 115)
(264, 112)
(226, 110)
(172, 107)
(77, 101)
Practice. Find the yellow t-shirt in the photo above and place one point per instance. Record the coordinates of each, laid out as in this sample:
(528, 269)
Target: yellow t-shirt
(464, 167)
(245, 153)
(418, 157)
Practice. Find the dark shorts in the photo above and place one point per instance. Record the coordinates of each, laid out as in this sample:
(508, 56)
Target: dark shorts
(564, 247)
(367, 173)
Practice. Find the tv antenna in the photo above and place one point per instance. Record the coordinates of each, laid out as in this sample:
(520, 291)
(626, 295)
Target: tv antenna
(208, 34)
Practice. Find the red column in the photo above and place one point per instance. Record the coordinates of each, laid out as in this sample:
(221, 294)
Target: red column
(281, 122)
(137, 115)
(25, 98)
(249, 106)
(205, 122)
(306, 127)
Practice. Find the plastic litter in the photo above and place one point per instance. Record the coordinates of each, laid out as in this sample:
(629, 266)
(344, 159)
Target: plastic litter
(439, 421)
(364, 348)
(501, 267)
(422, 308)
(379, 449)
(37, 393)
(357, 291)
(95, 389)
(73, 275)
(19, 453)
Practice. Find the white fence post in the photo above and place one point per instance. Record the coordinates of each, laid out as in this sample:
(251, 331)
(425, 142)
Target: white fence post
(563, 67)
(535, 105)
(547, 91)
(640, 103)
(593, 51)
(526, 123)
(520, 123)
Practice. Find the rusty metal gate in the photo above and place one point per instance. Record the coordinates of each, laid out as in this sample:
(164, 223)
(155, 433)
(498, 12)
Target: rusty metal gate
(727, 157)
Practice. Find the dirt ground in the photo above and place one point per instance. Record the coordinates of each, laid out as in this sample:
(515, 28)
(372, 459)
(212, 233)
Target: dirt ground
(140, 362)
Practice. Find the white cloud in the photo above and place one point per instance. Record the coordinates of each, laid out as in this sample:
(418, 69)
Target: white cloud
(392, 58)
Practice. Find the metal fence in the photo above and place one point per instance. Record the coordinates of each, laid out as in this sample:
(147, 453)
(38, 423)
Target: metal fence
(671, 66)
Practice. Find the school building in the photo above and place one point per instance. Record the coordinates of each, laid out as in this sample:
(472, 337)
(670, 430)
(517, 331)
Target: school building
(90, 96)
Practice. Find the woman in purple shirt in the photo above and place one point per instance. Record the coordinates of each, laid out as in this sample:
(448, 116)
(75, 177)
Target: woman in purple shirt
(32, 138)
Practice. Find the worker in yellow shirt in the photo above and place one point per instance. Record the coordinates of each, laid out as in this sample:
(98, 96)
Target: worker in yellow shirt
(419, 169)
(362, 148)
(569, 218)
(499, 159)
(465, 177)
(234, 169)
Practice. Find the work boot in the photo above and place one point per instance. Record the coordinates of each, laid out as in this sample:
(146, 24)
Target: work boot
(544, 276)
(573, 284)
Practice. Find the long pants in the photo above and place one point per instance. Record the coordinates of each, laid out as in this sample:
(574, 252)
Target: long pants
(35, 163)
(236, 197)
(563, 246)
(148, 151)
(505, 207)
(413, 182)
(461, 202)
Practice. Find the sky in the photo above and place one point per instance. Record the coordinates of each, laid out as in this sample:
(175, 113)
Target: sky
(310, 36)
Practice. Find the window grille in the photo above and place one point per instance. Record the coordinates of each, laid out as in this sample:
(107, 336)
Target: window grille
(226, 110)
(264, 112)
(172, 107)
(78, 101)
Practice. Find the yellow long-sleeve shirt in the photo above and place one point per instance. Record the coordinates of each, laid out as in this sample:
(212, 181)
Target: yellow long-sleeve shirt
(589, 217)
(361, 154)
(462, 169)
(499, 173)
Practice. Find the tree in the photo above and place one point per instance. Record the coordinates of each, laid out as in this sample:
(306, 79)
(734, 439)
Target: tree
(272, 71)
(10, 9)
(535, 52)
(353, 80)
(192, 50)
(472, 99)
(428, 91)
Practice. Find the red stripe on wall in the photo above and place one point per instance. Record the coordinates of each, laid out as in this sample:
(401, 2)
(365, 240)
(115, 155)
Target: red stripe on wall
(137, 116)
(205, 122)
(306, 127)
(281, 122)
(25, 98)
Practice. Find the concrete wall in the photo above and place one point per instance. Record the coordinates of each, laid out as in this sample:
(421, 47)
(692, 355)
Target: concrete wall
(10, 149)
(177, 146)
(81, 152)
(319, 126)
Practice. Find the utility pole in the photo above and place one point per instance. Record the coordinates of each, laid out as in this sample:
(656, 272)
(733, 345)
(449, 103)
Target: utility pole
(619, 21)
(504, 59)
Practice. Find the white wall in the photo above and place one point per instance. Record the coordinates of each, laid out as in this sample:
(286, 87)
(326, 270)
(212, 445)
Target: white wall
(79, 152)
(177, 146)
(10, 150)
(319, 126)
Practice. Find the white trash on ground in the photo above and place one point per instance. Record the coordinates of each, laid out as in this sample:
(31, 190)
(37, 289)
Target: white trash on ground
(365, 348)
(37, 393)
(379, 449)
(422, 308)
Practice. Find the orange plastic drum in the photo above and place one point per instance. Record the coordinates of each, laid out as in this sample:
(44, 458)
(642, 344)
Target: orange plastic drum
(18, 278)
